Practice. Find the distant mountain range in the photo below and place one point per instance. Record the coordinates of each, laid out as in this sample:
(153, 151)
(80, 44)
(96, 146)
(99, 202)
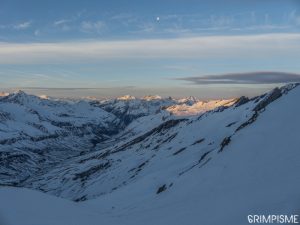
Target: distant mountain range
(154, 160)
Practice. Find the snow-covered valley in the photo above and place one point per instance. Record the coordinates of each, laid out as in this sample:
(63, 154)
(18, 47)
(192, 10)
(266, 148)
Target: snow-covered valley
(149, 161)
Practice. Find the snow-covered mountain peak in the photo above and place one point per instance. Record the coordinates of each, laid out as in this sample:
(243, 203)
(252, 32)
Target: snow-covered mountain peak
(44, 97)
(286, 88)
(151, 97)
(19, 94)
(199, 107)
(189, 100)
(3, 94)
(21, 97)
(126, 97)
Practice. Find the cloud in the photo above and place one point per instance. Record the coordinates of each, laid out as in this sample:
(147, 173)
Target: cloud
(261, 27)
(22, 26)
(37, 32)
(126, 19)
(59, 22)
(68, 24)
(294, 17)
(203, 47)
(92, 27)
(264, 77)
(63, 24)
(148, 27)
(123, 16)
(64, 89)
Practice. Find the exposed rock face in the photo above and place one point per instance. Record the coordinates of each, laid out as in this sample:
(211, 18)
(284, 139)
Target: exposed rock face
(275, 94)
(161, 189)
(224, 143)
(241, 101)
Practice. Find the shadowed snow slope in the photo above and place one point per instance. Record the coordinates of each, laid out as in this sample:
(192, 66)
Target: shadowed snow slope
(211, 169)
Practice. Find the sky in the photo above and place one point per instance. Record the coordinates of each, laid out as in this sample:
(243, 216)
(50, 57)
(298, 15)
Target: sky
(178, 48)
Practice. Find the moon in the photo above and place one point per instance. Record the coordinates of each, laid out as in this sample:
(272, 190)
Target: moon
(157, 18)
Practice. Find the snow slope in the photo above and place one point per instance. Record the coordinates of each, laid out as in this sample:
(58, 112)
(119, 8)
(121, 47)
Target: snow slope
(36, 133)
(198, 107)
(215, 168)
(257, 173)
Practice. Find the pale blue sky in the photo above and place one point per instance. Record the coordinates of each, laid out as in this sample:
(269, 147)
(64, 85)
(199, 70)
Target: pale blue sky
(119, 47)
